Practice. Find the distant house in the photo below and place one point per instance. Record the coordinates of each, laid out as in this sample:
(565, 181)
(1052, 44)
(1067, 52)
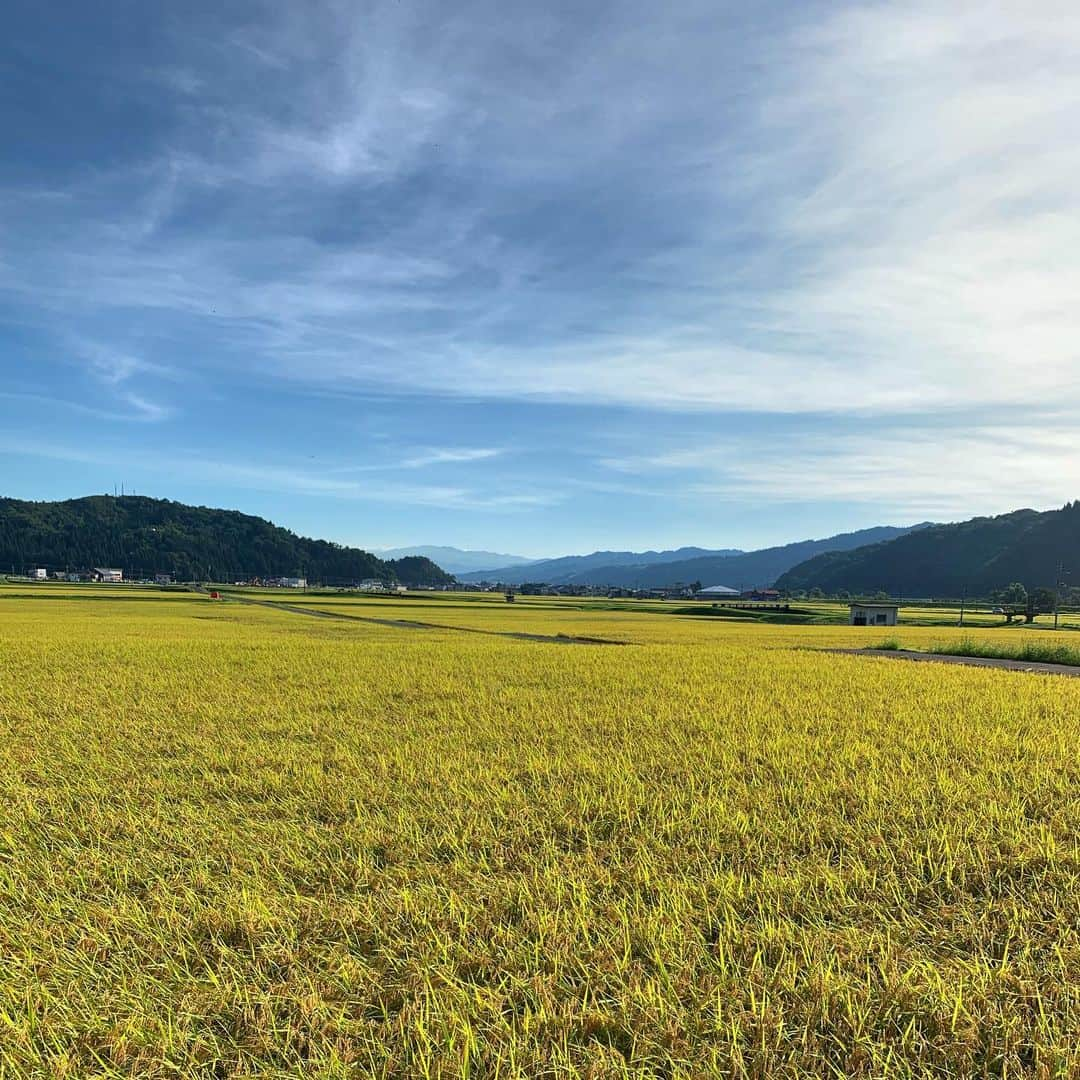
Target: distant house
(163, 579)
(294, 582)
(718, 592)
(874, 614)
(40, 574)
(373, 585)
(771, 595)
(101, 573)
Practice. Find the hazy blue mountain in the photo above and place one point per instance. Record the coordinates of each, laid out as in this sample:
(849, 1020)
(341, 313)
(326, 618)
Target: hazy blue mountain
(752, 569)
(570, 568)
(456, 560)
(737, 569)
(976, 557)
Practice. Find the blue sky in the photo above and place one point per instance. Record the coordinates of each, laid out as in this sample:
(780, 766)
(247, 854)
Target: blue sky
(544, 278)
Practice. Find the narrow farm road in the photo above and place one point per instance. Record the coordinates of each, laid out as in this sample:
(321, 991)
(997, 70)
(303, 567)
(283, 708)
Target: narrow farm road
(410, 624)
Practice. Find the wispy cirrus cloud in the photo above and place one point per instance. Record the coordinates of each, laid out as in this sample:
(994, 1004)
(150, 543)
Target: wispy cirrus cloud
(119, 373)
(785, 216)
(887, 205)
(913, 470)
(450, 455)
(285, 477)
(423, 458)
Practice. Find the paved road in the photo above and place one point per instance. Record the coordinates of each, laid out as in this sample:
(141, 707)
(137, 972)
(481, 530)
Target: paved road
(967, 661)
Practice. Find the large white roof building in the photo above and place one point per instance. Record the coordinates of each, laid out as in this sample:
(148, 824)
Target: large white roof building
(719, 590)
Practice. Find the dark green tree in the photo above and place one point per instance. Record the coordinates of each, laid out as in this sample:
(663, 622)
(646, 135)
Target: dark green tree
(1014, 595)
(1041, 601)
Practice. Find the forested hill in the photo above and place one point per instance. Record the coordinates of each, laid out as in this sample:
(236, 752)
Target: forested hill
(977, 556)
(146, 536)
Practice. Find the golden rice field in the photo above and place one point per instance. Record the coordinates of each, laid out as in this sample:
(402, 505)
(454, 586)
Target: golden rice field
(236, 841)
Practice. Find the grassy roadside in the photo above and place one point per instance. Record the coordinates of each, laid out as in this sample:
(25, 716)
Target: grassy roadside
(1035, 651)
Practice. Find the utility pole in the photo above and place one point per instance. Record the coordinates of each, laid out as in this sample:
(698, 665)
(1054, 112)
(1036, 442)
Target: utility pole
(963, 597)
(1057, 590)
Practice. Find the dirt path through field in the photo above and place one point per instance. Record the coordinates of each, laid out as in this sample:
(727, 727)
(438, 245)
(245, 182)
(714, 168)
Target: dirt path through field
(409, 624)
(968, 661)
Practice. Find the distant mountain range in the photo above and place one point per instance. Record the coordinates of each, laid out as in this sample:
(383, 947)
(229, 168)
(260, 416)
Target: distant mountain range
(144, 536)
(455, 560)
(652, 570)
(571, 569)
(976, 557)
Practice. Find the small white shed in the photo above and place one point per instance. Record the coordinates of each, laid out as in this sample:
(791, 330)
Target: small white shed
(874, 614)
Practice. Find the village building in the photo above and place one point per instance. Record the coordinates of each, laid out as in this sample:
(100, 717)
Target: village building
(102, 573)
(874, 614)
(718, 592)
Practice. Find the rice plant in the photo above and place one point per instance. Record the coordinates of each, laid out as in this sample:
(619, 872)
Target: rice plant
(239, 842)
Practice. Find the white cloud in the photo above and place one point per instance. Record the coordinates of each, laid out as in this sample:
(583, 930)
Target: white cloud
(449, 456)
(873, 212)
(940, 235)
(423, 458)
(938, 472)
(140, 411)
(287, 478)
(115, 370)
(143, 408)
